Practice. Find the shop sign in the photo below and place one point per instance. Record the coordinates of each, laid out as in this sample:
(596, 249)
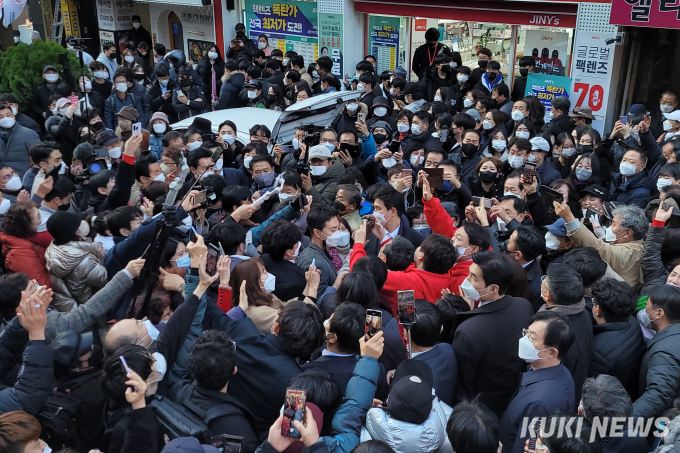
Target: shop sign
(116, 14)
(591, 69)
(383, 40)
(331, 40)
(547, 87)
(549, 50)
(70, 18)
(106, 36)
(279, 18)
(646, 13)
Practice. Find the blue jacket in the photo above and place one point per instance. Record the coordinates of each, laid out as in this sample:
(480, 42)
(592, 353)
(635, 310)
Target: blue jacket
(541, 393)
(637, 190)
(237, 176)
(156, 145)
(368, 145)
(113, 105)
(547, 173)
(444, 366)
(229, 92)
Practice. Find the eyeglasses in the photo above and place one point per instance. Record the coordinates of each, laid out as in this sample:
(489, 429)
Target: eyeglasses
(526, 333)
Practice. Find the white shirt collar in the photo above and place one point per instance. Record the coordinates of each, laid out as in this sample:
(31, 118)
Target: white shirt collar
(328, 353)
(525, 265)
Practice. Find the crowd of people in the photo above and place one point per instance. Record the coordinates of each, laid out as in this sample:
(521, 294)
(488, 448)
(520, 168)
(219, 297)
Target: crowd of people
(544, 260)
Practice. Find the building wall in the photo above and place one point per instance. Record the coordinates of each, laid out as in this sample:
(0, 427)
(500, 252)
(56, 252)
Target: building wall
(158, 15)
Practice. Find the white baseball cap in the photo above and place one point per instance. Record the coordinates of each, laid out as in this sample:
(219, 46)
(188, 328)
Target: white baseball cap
(540, 143)
(319, 152)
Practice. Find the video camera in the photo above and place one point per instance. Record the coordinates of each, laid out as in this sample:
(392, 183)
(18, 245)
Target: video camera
(312, 138)
(78, 43)
(206, 196)
(93, 162)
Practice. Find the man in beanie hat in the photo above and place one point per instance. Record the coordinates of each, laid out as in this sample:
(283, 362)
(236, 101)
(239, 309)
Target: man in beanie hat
(123, 81)
(413, 419)
(380, 111)
(127, 116)
(190, 100)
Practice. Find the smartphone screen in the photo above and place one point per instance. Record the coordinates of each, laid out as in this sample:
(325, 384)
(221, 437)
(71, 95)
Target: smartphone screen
(193, 235)
(394, 146)
(623, 119)
(435, 176)
(529, 171)
(373, 322)
(226, 443)
(407, 307)
(136, 127)
(443, 134)
(127, 369)
(211, 259)
(476, 201)
(74, 99)
(54, 173)
(293, 409)
(288, 149)
(353, 150)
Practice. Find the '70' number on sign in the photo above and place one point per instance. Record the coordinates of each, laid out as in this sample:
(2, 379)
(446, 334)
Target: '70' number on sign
(595, 95)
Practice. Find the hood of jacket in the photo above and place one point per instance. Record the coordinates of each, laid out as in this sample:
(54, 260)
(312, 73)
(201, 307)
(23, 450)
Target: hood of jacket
(405, 437)
(236, 78)
(336, 170)
(53, 121)
(61, 260)
(363, 108)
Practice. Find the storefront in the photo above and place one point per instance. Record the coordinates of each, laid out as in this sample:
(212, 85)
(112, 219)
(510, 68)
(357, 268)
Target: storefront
(547, 31)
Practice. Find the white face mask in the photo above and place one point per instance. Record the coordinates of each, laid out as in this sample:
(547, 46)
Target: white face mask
(296, 143)
(551, 241)
(416, 160)
(663, 182)
(527, 351)
(252, 94)
(666, 108)
(568, 152)
(15, 110)
(7, 122)
(415, 129)
(522, 134)
(159, 128)
(380, 111)
(467, 103)
(360, 86)
(286, 196)
(218, 165)
(194, 145)
(212, 55)
(16, 39)
(402, 128)
(122, 87)
(228, 139)
(437, 99)
(609, 235)
(380, 217)
(115, 152)
(63, 111)
(462, 78)
(5, 205)
(317, 170)
(129, 59)
(13, 184)
(88, 85)
(101, 74)
(62, 168)
(470, 292)
(516, 115)
(246, 161)
(270, 283)
(510, 194)
(262, 45)
(338, 239)
(498, 145)
(51, 77)
(136, 24)
(160, 177)
(351, 108)
(515, 161)
(151, 329)
(627, 169)
(667, 126)
(487, 125)
(389, 162)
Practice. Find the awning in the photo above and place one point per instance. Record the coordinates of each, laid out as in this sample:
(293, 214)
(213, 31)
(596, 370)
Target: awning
(553, 14)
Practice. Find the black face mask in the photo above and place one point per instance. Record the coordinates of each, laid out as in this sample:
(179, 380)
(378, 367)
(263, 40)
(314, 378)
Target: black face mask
(240, 33)
(338, 206)
(63, 207)
(491, 76)
(185, 82)
(272, 98)
(446, 68)
(85, 138)
(379, 138)
(583, 149)
(524, 72)
(97, 126)
(469, 149)
(488, 176)
(482, 63)
(139, 76)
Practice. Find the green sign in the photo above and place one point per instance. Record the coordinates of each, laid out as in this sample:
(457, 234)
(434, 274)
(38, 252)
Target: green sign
(282, 19)
(547, 87)
(383, 41)
(331, 40)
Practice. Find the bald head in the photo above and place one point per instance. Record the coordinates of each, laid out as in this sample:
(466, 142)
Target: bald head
(124, 332)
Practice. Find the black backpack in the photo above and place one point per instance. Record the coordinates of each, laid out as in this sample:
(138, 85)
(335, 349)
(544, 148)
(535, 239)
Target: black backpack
(65, 423)
(184, 418)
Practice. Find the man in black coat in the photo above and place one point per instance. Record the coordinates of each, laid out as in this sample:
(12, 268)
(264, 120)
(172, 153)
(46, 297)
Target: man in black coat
(138, 33)
(618, 344)
(659, 375)
(561, 121)
(422, 120)
(424, 55)
(526, 244)
(159, 95)
(389, 205)
(52, 84)
(526, 65)
(212, 363)
(486, 339)
(365, 86)
(281, 243)
(562, 290)
(276, 76)
(266, 363)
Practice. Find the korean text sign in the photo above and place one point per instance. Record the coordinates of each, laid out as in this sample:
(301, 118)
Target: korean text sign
(282, 18)
(547, 87)
(591, 70)
(383, 41)
(331, 40)
(646, 13)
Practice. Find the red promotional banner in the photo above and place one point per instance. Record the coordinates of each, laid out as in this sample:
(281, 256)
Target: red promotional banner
(646, 13)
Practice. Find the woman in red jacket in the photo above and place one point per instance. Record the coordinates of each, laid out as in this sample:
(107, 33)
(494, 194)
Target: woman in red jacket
(23, 248)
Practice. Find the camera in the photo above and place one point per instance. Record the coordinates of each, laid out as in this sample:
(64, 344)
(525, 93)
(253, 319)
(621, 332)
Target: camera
(206, 196)
(91, 166)
(78, 43)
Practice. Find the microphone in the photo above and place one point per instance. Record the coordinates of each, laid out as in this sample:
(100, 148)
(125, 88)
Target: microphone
(176, 185)
(83, 152)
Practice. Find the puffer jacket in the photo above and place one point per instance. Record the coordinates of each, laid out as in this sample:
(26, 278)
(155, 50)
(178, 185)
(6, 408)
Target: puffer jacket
(324, 187)
(653, 270)
(14, 148)
(27, 255)
(77, 272)
(229, 92)
(405, 437)
(346, 122)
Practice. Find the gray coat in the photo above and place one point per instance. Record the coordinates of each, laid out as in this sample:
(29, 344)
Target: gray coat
(323, 263)
(14, 151)
(653, 270)
(77, 272)
(659, 374)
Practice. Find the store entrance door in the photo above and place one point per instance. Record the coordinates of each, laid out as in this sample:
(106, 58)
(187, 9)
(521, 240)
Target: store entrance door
(175, 32)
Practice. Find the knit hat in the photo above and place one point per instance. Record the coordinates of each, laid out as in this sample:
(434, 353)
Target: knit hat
(410, 398)
(106, 138)
(63, 225)
(129, 113)
(384, 125)
(159, 116)
(201, 126)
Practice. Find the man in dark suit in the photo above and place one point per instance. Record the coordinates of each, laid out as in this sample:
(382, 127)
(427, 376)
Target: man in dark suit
(389, 205)
(486, 340)
(562, 290)
(525, 245)
(343, 331)
(266, 363)
(440, 357)
(365, 86)
(281, 243)
(276, 76)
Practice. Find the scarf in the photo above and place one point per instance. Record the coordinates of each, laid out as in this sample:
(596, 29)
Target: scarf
(566, 309)
(335, 258)
(489, 85)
